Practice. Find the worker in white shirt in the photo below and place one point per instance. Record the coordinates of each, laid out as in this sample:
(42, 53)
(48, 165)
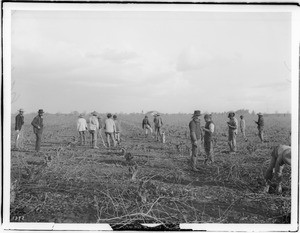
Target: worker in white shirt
(110, 129)
(81, 128)
(209, 130)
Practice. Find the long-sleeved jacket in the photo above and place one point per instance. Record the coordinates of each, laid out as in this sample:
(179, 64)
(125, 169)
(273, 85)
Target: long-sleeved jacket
(145, 123)
(233, 125)
(37, 124)
(260, 123)
(157, 121)
(195, 130)
(19, 122)
(93, 123)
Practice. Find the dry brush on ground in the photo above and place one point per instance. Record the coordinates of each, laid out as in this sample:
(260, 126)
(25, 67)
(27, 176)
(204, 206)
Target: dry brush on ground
(69, 183)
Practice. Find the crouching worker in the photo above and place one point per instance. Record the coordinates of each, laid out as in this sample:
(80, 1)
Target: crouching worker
(280, 156)
(196, 136)
(209, 129)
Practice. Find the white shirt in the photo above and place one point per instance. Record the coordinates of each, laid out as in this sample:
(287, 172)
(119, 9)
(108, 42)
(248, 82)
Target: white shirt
(212, 127)
(242, 124)
(110, 126)
(81, 124)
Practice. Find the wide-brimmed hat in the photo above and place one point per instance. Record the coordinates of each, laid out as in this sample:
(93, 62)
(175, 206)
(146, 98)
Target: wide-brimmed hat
(21, 110)
(197, 113)
(259, 114)
(231, 114)
(109, 115)
(41, 111)
(94, 113)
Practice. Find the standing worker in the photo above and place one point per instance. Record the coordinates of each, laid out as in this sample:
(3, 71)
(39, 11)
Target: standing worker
(93, 127)
(260, 126)
(209, 129)
(146, 125)
(118, 129)
(81, 128)
(110, 129)
(243, 127)
(232, 132)
(196, 137)
(157, 126)
(18, 128)
(38, 127)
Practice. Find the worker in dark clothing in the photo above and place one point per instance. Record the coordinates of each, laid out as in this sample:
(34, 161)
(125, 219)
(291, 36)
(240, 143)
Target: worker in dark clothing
(260, 126)
(196, 137)
(38, 126)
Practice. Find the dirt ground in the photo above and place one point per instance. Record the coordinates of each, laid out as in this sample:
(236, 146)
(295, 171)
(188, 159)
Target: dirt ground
(69, 183)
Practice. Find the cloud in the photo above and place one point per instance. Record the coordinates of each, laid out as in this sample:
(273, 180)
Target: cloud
(196, 58)
(193, 59)
(276, 86)
(113, 55)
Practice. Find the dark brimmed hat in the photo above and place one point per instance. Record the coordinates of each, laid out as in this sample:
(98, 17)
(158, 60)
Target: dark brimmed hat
(197, 113)
(94, 113)
(231, 114)
(259, 114)
(109, 115)
(41, 111)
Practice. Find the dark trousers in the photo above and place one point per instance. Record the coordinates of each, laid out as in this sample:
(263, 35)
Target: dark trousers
(38, 141)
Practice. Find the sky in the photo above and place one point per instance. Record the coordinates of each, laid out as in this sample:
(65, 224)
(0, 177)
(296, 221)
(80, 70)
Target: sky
(133, 61)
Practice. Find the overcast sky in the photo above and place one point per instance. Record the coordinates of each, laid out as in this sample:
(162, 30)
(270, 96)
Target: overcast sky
(172, 62)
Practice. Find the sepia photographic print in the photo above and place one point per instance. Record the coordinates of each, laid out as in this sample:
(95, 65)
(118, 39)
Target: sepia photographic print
(181, 116)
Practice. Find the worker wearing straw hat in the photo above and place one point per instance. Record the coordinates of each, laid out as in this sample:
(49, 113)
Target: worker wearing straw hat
(18, 128)
(81, 128)
(196, 137)
(260, 126)
(93, 127)
(232, 132)
(38, 127)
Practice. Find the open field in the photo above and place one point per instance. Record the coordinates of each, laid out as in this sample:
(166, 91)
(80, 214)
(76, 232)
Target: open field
(78, 184)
